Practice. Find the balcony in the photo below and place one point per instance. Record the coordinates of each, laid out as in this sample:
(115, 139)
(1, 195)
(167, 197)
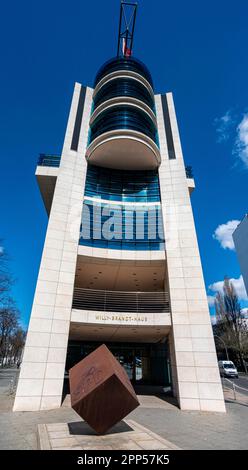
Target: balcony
(121, 301)
(118, 65)
(49, 160)
(46, 175)
(190, 178)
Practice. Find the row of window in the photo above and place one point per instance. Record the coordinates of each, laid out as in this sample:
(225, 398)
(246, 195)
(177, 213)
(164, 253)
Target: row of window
(123, 117)
(123, 245)
(104, 225)
(123, 87)
(123, 63)
(116, 185)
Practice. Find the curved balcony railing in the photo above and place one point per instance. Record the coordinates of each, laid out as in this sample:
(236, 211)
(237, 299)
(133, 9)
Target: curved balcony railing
(123, 117)
(49, 160)
(120, 301)
(123, 87)
(123, 63)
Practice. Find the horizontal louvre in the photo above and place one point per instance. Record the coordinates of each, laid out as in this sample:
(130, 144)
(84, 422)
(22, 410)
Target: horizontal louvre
(120, 301)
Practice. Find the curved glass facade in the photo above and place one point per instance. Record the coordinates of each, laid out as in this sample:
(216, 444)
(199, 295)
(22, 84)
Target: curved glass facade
(123, 63)
(123, 117)
(123, 87)
(121, 227)
(118, 185)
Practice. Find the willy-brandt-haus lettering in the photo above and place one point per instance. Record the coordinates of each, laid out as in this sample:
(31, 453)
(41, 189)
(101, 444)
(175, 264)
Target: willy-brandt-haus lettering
(120, 263)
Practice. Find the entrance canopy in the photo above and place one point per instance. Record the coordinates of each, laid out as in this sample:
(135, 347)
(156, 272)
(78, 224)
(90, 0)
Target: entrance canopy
(104, 332)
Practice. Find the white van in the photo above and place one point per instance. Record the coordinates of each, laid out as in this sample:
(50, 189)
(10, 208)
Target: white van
(228, 369)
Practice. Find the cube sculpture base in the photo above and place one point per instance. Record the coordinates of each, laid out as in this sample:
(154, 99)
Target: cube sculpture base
(101, 392)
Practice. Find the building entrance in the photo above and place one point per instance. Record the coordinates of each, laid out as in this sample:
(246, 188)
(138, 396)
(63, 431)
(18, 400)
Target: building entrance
(145, 364)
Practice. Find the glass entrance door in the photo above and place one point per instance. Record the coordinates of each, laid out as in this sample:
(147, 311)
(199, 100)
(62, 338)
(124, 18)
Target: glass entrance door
(145, 363)
(136, 363)
(127, 361)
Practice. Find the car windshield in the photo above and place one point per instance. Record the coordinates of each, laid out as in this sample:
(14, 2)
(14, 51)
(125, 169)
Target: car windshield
(229, 366)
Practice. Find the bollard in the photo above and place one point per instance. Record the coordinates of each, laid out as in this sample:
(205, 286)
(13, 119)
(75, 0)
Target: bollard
(234, 391)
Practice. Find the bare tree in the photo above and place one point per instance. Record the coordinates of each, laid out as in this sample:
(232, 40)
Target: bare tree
(11, 337)
(230, 323)
(17, 344)
(5, 277)
(9, 317)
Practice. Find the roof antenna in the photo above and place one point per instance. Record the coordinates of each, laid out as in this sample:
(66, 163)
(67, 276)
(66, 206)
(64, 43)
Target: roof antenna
(126, 29)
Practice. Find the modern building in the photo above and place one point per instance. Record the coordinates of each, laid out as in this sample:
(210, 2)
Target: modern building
(120, 263)
(240, 238)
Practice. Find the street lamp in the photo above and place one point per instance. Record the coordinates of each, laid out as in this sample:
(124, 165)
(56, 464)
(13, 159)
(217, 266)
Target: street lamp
(216, 336)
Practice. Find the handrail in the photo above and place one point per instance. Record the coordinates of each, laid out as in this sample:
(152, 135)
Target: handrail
(233, 388)
(189, 171)
(49, 160)
(235, 385)
(120, 301)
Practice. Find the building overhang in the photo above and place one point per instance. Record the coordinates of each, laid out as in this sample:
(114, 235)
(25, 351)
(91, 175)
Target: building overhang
(120, 327)
(124, 255)
(46, 178)
(191, 184)
(124, 149)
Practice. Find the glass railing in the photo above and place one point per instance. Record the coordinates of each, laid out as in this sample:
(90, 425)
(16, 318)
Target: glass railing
(189, 172)
(122, 87)
(120, 301)
(49, 160)
(123, 63)
(123, 117)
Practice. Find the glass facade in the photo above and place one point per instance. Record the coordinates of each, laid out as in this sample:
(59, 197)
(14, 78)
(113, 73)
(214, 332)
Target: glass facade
(116, 185)
(145, 363)
(121, 227)
(128, 115)
(124, 87)
(123, 63)
(123, 117)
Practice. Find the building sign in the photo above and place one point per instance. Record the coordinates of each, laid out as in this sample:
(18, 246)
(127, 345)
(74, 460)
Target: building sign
(121, 318)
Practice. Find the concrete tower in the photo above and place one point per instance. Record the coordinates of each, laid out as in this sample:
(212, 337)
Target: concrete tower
(120, 263)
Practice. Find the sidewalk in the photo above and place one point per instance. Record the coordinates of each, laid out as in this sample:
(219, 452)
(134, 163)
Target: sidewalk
(185, 429)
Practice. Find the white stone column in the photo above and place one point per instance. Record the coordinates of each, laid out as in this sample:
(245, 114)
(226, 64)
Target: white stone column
(195, 370)
(42, 370)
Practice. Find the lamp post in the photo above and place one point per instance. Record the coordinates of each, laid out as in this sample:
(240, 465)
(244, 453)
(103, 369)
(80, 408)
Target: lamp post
(216, 336)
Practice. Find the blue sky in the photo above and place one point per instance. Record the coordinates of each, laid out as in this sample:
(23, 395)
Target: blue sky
(196, 50)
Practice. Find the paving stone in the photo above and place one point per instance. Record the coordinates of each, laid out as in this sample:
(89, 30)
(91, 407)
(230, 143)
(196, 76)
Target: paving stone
(57, 434)
(62, 442)
(151, 444)
(129, 445)
(98, 448)
(188, 430)
(68, 448)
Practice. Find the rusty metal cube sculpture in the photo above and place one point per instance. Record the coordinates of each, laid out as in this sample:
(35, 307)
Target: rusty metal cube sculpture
(101, 392)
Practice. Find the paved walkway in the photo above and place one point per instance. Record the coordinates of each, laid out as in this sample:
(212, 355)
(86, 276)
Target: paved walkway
(126, 435)
(186, 429)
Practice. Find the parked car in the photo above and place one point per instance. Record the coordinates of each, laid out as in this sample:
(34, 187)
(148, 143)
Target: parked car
(228, 369)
